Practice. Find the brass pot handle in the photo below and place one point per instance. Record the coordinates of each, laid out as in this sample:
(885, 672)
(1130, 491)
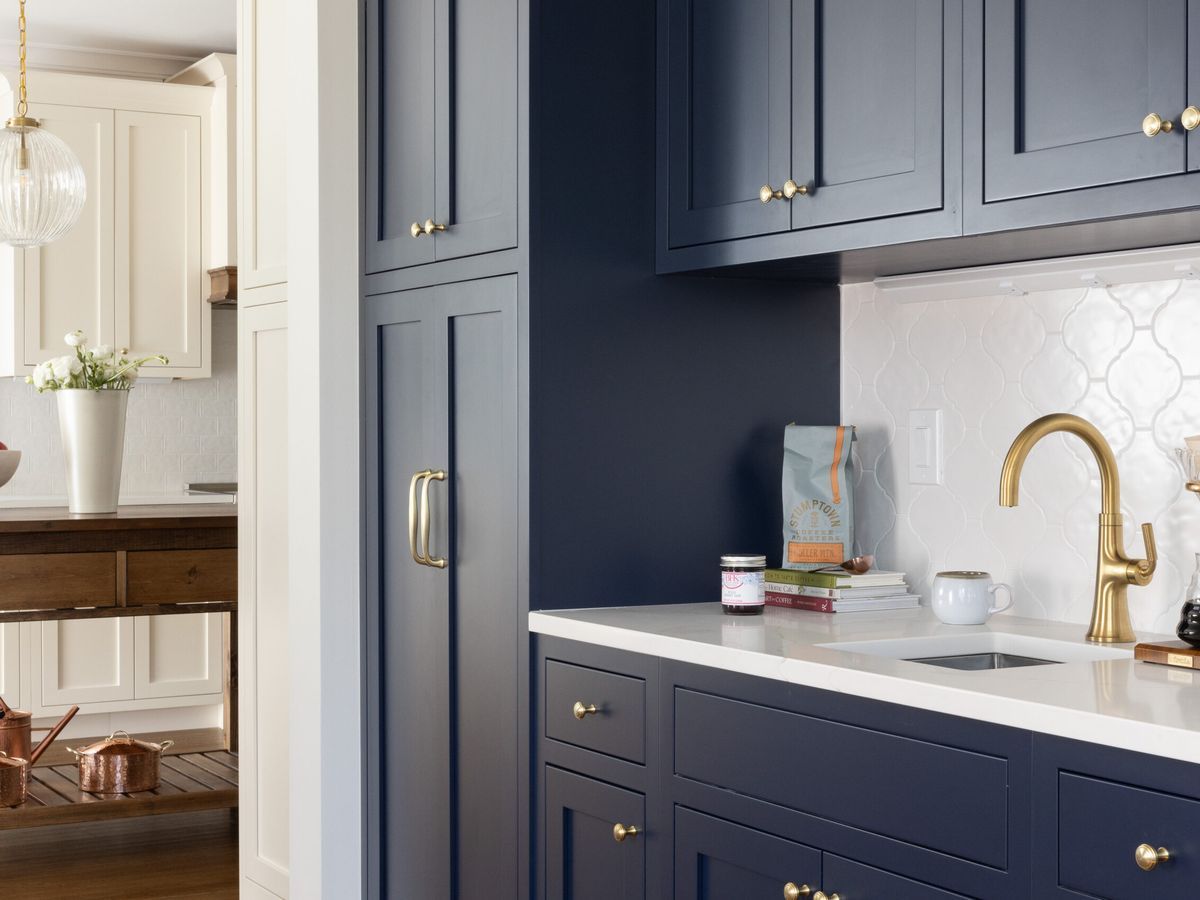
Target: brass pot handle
(165, 746)
(620, 832)
(1154, 124)
(412, 516)
(1148, 857)
(793, 891)
(436, 562)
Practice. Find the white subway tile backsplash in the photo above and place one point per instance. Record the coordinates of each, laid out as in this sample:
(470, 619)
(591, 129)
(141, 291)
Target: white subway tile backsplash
(1123, 357)
(165, 435)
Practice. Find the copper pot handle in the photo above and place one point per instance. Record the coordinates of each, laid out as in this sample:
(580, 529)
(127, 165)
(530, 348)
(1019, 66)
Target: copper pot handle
(165, 746)
(128, 736)
(74, 752)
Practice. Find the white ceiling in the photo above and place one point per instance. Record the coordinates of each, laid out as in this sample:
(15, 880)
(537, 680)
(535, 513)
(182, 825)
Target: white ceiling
(179, 28)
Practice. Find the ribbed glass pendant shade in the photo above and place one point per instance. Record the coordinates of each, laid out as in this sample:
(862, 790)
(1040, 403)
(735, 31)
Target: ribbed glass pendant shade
(42, 187)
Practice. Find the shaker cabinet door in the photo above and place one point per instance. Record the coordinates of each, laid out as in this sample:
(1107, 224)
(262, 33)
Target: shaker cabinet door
(729, 101)
(584, 861)
(867, 125)
(399, 136)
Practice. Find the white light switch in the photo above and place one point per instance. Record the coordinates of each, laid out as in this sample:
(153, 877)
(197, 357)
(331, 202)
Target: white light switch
(925, 446)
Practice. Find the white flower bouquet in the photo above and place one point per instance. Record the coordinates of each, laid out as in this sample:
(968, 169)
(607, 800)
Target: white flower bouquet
(90, 369)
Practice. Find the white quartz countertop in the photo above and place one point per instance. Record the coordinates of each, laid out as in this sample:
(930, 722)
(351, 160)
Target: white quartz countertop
(1116, 702)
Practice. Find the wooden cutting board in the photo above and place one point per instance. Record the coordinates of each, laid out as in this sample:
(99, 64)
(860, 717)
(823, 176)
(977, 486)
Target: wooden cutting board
(1169, 653)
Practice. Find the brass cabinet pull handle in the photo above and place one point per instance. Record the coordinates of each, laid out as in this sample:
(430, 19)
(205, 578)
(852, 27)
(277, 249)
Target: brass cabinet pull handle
(412, 517)
(793, 891)
(1148, 858)
(435, 562)
(430, 226)
(1155, 124)
(581, 711)
(620, 832)
(1190, 118)
(790, 189)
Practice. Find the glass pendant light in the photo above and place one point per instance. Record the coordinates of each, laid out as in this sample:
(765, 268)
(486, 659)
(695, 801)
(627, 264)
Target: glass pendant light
(42, 186)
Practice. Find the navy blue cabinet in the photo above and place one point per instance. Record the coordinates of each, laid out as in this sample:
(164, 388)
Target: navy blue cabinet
(1054, 130)
(440, 132)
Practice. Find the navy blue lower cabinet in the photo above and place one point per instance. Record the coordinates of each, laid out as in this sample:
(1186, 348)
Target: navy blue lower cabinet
(719, 860)
(595, 839)
(1113, 824)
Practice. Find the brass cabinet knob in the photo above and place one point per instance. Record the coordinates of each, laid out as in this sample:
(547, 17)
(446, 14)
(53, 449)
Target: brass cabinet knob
(821, 895)
(620, 832)
(790, 189)
(793, 891)
(1154, 124)
(430, 226)
(1190, 118)
(416, 230)
(581, 711)
(1148, 858)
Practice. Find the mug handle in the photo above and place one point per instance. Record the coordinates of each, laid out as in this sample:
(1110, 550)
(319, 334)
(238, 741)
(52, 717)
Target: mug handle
(1008, 593)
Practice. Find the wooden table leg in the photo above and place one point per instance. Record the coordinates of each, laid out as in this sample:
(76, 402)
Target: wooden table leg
(231, 682)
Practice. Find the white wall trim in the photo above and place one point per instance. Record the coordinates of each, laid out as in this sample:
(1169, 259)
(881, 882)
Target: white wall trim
(1018, 279)
(97, 61)
(324, 421)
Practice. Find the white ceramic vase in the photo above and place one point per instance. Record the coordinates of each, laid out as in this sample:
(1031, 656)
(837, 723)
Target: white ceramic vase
(92, 424)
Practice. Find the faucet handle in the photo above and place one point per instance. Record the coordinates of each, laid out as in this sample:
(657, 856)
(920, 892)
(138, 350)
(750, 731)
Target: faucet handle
(1141, 571)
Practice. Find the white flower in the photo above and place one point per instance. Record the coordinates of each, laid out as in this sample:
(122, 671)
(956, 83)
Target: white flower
(101, 353)
(65, 367)
(41, 375)
(75, 338)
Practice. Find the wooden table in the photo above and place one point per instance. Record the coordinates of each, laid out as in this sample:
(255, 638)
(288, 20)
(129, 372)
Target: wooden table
(139, 561)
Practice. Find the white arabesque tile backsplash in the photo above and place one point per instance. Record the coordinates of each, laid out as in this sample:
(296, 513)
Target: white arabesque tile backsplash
(1127, 358)
(176, 432)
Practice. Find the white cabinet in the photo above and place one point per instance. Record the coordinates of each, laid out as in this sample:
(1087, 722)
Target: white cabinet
(10, 663)
(263, 594)
(133, 271)
(121, 664)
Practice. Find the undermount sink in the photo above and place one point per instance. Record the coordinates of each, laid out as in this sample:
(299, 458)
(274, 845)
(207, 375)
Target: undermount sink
(982, 651)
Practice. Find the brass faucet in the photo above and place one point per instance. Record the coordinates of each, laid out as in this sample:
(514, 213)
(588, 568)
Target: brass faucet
(1114, 570)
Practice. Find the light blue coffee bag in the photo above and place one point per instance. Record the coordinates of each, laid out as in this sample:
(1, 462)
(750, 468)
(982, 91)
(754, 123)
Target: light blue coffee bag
(818, 495)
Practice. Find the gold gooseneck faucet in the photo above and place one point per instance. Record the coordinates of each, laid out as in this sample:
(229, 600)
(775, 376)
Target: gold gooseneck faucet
(1114, 570)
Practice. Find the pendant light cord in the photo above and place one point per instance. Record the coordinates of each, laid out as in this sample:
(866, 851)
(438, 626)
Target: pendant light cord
(23, 100)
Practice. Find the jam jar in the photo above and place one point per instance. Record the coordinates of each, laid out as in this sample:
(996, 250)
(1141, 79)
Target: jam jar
(742, 589)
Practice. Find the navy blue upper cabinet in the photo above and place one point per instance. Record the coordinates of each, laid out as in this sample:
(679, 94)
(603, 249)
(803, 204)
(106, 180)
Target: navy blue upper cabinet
(729, 116)
(440, 130)
(1055, 110)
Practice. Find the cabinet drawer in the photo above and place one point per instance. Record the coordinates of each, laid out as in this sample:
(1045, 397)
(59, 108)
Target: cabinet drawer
(181, 576)
(57, 581)
(719, 860)
(852, 879)
(1100, 825)
(617, 728)
(942, 798)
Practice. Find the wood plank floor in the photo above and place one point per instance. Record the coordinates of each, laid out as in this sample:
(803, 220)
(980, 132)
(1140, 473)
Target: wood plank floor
(185, 856)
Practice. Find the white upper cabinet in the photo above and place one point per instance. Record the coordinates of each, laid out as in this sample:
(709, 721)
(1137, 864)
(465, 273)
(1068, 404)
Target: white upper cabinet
(133, 271)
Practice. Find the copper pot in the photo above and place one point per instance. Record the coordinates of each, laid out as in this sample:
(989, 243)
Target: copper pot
(14, 775)
(120, 764)
(16, 732)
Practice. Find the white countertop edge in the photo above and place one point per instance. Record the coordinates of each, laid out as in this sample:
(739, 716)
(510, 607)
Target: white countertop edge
(1045, 718)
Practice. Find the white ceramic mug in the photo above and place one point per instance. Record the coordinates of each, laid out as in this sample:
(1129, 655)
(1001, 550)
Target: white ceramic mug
(966, 598)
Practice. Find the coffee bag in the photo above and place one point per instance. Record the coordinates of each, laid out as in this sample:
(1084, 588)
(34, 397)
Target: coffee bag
(818, 495)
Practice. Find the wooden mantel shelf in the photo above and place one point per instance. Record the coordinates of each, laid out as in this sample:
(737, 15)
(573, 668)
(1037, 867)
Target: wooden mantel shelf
(179, 515)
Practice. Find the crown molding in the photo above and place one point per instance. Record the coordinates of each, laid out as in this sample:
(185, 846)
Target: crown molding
(98, 61)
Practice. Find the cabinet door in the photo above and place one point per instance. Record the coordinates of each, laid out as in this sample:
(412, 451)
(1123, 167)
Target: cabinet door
(476, 105)
(729, 116)
(159, 267)
(68, 284)
(399, 131)
(176, 656)
(717, 860)
(583, 861)
(1060, 116)
(10, 663)
(867, 114)
(83, 661)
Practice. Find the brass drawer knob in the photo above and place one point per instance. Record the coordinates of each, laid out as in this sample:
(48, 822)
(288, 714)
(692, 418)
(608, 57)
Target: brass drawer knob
(620, 832)
(1155, 124)
(793, 891)
(1190, 118)
(790, 189)
(821, 895)
(1148, 858)
(581, 711)
(430, 226)
(416, 230)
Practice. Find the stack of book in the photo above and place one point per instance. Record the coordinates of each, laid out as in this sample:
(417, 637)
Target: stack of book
(838, 591)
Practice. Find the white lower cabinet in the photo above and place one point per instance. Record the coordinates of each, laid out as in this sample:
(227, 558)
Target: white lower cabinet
(122, 664)
(10, 663)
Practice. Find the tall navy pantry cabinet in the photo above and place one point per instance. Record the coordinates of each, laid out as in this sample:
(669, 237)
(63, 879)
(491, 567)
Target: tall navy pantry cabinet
(567, 427)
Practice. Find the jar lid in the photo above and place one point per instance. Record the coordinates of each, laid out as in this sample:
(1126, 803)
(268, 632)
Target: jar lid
(745, 561)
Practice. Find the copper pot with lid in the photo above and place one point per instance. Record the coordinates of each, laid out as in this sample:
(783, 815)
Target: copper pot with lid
(120, 764)
(16, 732)
(14, 776)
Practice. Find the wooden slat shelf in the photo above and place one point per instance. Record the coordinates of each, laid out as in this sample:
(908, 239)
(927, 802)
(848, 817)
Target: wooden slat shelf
(190, 781)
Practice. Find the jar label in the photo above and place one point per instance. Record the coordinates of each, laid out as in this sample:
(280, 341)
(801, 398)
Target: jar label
(742, 588)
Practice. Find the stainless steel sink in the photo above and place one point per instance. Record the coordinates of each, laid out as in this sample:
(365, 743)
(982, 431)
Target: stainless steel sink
(978, 662)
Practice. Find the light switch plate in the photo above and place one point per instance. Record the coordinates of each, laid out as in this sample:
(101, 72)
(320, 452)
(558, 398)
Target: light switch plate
(925, 446)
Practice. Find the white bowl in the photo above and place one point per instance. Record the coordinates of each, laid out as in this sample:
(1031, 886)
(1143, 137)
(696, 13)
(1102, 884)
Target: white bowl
(9, 460)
